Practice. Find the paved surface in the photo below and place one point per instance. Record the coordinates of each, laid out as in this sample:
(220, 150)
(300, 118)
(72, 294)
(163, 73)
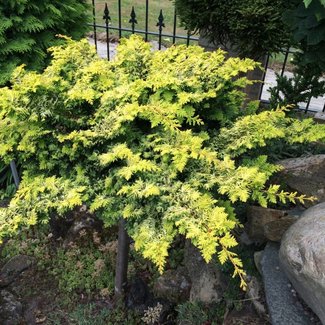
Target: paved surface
(283, 307)
(102, 48)
(316, 104)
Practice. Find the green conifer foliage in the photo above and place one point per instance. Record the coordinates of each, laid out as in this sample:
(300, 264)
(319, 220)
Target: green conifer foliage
(252, 27)
(153, 137)
(28, 28)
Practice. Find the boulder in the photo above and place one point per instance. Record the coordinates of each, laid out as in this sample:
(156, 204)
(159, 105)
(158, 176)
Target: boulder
(284, 308)
(138, 295)
(265, 224)
(302, 256)
(305, 175)
(140, 299)
(245, 239)
(257, 218)
(319, 117)
(10, 309)
(12, 269)
(173, 285)
(208, 282)
(274, 230)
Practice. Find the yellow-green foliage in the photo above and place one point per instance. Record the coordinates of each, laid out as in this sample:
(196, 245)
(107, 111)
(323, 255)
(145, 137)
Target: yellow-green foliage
(153, 137)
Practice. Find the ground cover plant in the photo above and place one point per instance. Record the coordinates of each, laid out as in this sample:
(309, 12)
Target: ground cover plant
(28, 28)
(158, 138)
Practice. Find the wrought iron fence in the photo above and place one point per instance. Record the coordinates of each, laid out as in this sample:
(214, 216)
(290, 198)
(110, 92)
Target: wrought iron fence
(313, 105)
(133, 21)
(269, 78)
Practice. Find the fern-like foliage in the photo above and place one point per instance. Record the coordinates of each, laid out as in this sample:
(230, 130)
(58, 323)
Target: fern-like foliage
(28, 28)
(153, 137)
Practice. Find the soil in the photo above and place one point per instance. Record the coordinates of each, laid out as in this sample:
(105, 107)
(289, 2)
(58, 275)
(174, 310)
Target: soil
(40, 297)
(44, 303)
(245, 316)
(38, 292)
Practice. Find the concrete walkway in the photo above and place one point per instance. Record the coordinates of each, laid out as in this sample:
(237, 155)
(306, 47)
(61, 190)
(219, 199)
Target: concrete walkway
(316, 104)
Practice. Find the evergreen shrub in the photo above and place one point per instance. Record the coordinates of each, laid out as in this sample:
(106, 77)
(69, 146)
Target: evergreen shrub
(157, 138)
(252, 28)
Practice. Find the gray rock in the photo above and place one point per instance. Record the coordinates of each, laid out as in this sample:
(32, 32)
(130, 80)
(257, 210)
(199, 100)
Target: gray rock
(10, 309)
(302, 256)
(283, 307)
(173, 285)
(12, 269)
(244, 239)
(84, 223)
(138, 295)
(257, 260)
(319, 117)
(305, 175)
(208, 282)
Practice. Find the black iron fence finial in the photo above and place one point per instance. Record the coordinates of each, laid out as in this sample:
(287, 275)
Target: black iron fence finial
(133, 19)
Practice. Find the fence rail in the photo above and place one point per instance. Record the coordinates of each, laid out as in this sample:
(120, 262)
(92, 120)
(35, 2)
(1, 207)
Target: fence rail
(133, 21)
(269, 79)
(313, 105)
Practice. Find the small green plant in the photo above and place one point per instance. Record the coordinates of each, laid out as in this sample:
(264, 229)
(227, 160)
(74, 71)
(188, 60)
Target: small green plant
(89, 314)
(196, 313)
(32, 242)
(305, 83)
(152, 314)
(154, 137)
(84, 269)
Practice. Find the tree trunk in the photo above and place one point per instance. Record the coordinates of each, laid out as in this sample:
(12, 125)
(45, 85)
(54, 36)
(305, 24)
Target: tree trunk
(254, 91)
(122, 261)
